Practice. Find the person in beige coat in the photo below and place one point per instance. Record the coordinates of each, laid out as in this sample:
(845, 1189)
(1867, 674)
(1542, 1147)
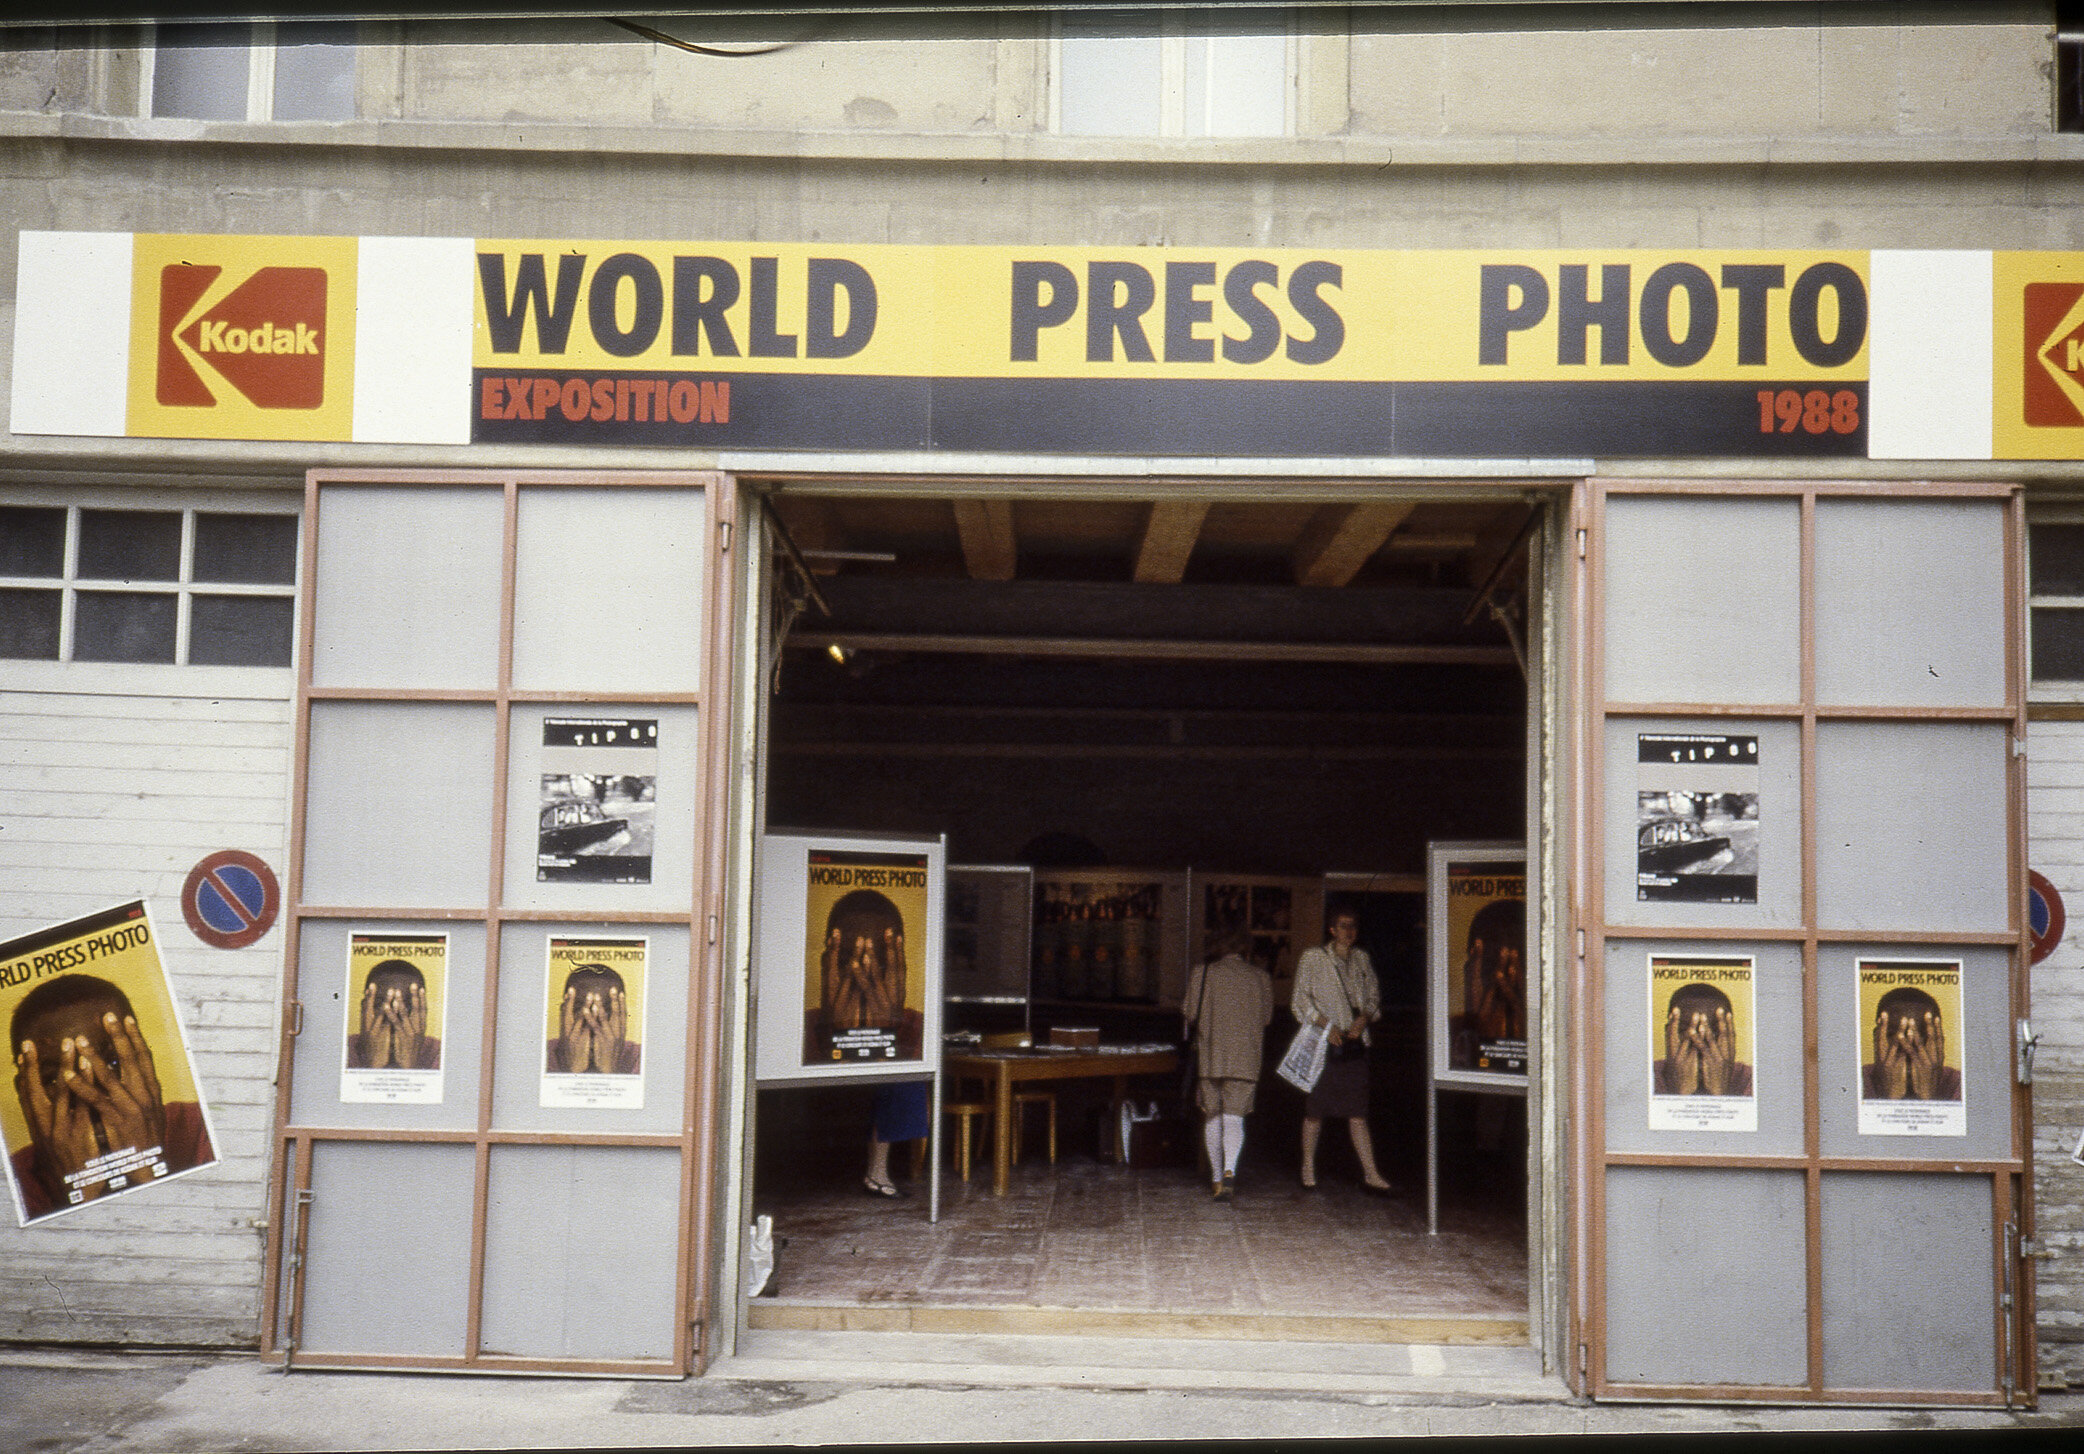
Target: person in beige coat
(1230, 1002)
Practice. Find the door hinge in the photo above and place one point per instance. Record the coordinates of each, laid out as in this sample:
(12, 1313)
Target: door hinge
(2035, 1249)
(2026, 1041)
(1581, 543)
(723, 535)
(296, 1018)
(712, 928)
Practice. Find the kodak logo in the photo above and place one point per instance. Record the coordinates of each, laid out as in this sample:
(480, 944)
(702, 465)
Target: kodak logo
(2054, 348)
(221, 337)
(265, 338)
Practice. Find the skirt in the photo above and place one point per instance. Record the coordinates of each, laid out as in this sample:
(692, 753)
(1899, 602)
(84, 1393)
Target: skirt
(1341, 1093)
(903, 1110)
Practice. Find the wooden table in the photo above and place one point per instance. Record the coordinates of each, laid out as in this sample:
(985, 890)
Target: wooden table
(1004, 1067)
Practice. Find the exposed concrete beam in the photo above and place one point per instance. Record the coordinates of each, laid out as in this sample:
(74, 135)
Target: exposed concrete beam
(988, 547)
(1151, 649)
(1340, 538)
(1168, 540)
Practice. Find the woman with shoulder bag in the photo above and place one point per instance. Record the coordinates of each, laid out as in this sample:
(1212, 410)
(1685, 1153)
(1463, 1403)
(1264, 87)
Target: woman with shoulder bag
(1335, 987)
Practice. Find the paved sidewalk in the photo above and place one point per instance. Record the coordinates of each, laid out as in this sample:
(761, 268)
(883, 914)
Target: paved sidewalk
(56, 1402)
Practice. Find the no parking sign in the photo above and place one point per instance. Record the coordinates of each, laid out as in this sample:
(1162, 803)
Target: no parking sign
(2045, 917)
(230, 899)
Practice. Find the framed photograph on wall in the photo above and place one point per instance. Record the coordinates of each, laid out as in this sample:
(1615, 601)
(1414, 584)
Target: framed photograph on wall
(1476, 936)
(847, 956)
(1109, 936)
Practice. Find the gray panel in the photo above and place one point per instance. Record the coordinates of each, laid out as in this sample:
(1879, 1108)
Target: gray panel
(321, 1047)
(1703, 599)
(524, 1030)
(1776, 1071)
(408, 587)
(608, 590)
(1705, 1280)
(398, 810)
(581, 1251)
(1910, 603)
(1908, 1269)
(1779, 903)
(1910, 826)
(678, 789)
(388, 1263)
(1984, 1044)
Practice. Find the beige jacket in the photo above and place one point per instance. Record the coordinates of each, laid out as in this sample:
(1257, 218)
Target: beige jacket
(1235, 1000)
(1327, 995)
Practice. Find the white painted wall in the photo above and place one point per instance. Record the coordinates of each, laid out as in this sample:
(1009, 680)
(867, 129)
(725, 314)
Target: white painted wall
(106, 795)
(2055, 827)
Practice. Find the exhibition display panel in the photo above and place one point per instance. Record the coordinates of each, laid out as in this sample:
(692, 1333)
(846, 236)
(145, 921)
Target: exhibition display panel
(1801, 949)
(500, 1047)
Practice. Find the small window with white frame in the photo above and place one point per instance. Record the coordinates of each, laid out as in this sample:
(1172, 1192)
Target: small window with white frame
(251, 71)
(1175, 71)
(2055, 602)
(194, 586)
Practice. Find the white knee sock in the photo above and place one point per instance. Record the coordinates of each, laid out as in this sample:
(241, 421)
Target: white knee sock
(1233, 1142)
(1212, 1136)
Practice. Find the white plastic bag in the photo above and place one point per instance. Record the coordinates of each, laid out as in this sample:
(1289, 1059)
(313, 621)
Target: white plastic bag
(1304, 1062)
(759, 1259)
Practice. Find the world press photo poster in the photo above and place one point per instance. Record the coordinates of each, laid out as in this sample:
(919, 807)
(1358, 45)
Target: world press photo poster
(1703, 1016)
(1910, 1048)
(105, 1099)
(593, 1030)
(1487, 943)
(864, 991)
(1696, 818)
(599, 799)
(397, 1003)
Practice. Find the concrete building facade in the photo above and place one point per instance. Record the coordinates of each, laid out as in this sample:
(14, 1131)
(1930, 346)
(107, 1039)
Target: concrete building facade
(1571, 135)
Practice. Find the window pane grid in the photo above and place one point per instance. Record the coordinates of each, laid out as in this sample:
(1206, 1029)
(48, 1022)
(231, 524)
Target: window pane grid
(154, 597)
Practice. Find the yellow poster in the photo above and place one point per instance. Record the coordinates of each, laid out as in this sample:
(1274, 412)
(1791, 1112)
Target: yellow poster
(864, 991)
(1487, 940)
(1910, 1048)
(105, 1095)
(593, 1028)
(397, 997)
(1703, 1024)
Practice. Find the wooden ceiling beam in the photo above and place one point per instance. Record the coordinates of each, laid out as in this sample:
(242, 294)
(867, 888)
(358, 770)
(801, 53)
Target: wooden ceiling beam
(989, 550)
(1339, 539)
(1169, 533)
(810, 524)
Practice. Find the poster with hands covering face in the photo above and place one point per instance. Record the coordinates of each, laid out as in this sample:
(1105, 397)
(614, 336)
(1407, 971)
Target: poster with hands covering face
(1910, 1056)
(1702, 1016)
(397, 1002)
(593, 1048)
(105, 1097)
(863, 997)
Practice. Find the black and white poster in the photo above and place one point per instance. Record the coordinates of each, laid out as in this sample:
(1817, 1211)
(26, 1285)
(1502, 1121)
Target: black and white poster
(600, 790)
(1696, 817)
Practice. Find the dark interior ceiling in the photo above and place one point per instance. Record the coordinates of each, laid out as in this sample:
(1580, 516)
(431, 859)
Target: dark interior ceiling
(1049, 662)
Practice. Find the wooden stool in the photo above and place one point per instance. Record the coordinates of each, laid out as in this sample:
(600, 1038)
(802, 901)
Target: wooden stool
(1021, 1101)
(969, 1111)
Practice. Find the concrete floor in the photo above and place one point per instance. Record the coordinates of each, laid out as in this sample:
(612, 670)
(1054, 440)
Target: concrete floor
(1094, 1237)
(60, 1402)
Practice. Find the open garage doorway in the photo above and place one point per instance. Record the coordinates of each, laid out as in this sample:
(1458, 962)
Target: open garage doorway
(1139, 723)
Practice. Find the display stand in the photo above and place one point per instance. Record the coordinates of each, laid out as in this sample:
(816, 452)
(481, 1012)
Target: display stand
(1476, 988)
